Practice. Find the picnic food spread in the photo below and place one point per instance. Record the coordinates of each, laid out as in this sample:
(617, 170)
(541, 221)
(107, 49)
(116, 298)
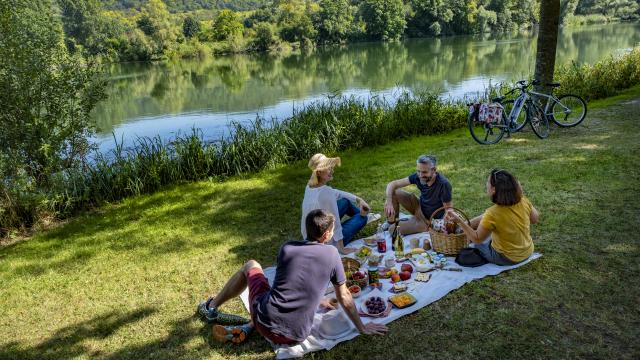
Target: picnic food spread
(395, 275)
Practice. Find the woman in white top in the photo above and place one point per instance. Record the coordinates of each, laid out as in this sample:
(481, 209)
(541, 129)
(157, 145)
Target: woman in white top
(318, 195)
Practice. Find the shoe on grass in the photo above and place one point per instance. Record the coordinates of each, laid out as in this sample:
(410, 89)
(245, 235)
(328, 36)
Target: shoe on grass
(212, 315)
(236, 334)
(373, 217)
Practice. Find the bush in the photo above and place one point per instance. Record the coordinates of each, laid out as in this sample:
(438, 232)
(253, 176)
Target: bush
(605, 78)
(47, 96)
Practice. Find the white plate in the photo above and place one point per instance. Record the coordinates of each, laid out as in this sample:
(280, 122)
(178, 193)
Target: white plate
(363, 308)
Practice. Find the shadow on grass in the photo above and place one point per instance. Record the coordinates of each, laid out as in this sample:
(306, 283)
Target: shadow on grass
(205, 214)
(67, 342)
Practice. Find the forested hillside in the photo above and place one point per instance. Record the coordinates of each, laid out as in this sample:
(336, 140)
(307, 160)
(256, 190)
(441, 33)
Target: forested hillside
(188, 5)
(142, 30)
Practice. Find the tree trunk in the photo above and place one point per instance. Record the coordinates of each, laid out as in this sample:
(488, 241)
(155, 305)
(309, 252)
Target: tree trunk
(547, 43)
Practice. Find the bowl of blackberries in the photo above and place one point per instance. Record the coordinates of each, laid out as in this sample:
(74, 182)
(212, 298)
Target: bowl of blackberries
(375, 305)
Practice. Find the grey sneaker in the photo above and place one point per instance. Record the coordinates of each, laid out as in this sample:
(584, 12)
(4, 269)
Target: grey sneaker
(373, 217)
(212, 315)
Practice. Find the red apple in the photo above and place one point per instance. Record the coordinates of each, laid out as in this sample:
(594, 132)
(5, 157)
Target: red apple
(405, 275)
(406, 267)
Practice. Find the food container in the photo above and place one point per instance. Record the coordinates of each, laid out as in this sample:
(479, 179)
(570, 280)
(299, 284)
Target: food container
(390, 262)
(373, 274)
(402, 300)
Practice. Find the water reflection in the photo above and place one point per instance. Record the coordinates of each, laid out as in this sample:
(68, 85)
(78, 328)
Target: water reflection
(151, 99)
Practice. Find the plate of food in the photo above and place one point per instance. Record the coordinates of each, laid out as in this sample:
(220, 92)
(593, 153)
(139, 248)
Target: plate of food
(363, 252)
(375, 306)
(371, 241)
(402, 300)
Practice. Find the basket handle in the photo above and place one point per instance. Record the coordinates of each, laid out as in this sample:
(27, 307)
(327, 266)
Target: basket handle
(450, 207)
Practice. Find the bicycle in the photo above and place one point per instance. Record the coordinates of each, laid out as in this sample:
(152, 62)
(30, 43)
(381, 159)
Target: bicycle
(566, 110)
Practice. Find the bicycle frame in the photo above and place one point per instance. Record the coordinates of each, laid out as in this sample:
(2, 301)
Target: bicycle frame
(518, 104)
(550, 100)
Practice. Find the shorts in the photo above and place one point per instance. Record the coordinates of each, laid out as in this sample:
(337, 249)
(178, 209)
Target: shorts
(493, 256)
(259, 288)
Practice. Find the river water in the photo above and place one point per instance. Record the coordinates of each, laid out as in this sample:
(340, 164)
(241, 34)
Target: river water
(169, 98)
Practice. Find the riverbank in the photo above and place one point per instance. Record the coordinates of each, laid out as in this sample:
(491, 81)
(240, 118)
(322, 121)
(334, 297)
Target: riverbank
(123, 281)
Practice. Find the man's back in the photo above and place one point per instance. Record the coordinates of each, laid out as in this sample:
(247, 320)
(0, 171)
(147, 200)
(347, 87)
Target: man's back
(304, 269)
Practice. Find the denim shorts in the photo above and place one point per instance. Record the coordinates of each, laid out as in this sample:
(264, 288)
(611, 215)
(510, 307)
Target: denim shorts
(492, 255)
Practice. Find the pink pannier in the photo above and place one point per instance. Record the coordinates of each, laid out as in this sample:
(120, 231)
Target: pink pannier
(487, 113)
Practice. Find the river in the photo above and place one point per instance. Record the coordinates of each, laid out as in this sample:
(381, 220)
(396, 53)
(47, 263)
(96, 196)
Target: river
(147, 100)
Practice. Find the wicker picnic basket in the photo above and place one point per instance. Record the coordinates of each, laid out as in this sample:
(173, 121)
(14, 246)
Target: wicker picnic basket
(350, 266)
(448, 244)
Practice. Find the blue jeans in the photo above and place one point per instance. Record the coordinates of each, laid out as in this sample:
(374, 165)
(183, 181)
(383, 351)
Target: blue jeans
(354, 223)
(492, 256)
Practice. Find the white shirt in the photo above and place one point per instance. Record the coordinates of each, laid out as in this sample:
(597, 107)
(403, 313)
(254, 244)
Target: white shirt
(326, 198)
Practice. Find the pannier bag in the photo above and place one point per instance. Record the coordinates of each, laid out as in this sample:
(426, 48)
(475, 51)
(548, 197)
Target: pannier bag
(486, 113)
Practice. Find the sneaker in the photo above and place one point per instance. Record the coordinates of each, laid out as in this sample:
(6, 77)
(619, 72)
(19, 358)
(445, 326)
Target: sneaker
(372, 218)
(235, 334)
(212, 315)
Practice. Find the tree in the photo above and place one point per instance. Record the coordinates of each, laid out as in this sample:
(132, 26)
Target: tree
(485, 20)
(547, 43)
(47, 96)
(190, 27)
(155, 22)
(226, 25)
(265, 36)
(334, 20)
(429, 16)
(567, 10)
(295, 20)
(384, 18)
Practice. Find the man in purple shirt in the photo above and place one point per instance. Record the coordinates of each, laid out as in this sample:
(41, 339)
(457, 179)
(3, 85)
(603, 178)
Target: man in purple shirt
(284, 313)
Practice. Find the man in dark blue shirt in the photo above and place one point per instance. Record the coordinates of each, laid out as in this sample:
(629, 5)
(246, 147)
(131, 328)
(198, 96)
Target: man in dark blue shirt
(283, 313)
(435, 192)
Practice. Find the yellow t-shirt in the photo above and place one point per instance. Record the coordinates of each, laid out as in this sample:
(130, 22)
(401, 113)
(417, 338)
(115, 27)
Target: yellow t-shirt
(509, 226)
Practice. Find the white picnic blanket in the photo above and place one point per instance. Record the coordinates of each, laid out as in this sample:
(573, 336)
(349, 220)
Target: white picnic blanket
(441, 283)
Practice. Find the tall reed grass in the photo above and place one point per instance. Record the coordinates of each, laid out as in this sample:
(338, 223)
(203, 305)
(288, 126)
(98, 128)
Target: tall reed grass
(602, 79)
(330, 126)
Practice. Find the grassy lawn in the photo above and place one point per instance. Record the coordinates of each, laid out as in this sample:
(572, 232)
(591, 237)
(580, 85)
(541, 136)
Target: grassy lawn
(123, 281)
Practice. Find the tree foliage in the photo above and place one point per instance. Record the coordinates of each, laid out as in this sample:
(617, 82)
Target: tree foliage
(190, 27)
(148, 30)
(46, 95)
(226, 25)
(384, 19)
(334, 20)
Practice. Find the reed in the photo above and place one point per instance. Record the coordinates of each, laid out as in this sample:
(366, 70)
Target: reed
(329, 126)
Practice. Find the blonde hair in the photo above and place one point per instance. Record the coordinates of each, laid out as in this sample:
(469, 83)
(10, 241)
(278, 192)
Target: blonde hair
(319, 162)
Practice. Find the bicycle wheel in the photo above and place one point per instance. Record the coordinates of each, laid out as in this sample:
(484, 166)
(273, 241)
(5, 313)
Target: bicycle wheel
(521, 120)
(569, 111)
(486, 134)
(539, 122)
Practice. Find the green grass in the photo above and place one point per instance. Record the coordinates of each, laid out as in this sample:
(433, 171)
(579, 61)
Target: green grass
(123, 281)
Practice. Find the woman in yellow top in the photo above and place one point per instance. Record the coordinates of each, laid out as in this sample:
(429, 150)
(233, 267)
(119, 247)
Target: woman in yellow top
(502, 233)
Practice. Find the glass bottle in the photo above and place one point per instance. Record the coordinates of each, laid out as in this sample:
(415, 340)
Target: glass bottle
(399, 241)
(394, 234)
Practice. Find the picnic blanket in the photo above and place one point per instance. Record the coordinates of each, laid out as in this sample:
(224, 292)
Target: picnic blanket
(440, 284)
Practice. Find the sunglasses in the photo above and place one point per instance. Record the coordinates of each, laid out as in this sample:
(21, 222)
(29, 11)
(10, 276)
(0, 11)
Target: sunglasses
(495, 173)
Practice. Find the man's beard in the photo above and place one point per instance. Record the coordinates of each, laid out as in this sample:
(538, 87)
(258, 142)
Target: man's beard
(424, 181)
